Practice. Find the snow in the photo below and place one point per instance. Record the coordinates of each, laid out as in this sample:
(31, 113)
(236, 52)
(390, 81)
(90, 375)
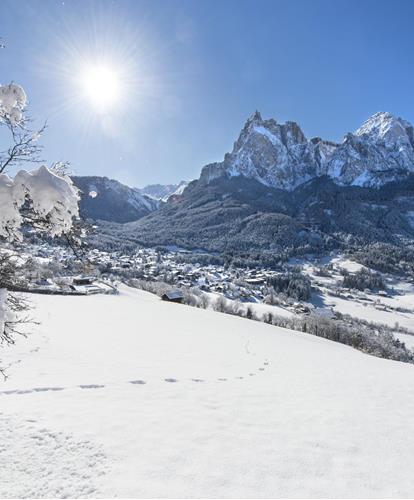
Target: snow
(3, 308)
(363, 179)
(12, 102)
(264, 131)
(367, 311)
(53, 197)
(349, 265)
(407, 339)
(385, 127)
(179, 191)
(129, 396)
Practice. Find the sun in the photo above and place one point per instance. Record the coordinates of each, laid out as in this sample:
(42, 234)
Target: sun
(101, 86)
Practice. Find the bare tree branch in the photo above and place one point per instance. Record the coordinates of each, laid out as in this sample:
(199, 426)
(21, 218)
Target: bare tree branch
(24, 147)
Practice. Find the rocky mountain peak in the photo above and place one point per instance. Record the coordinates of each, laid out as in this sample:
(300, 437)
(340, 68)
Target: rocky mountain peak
(255, 117)
(385, 127)
(280, 155)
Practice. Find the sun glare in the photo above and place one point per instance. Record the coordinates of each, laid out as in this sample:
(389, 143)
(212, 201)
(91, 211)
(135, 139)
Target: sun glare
(101, 86)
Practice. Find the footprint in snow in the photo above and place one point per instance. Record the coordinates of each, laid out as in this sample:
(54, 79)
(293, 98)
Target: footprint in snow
(171, 380)
(261, 369)
(91, 386)
(251, 374)
(222, 379)
(46, 389)
(240, 377)
(197, 380)
(138, 382)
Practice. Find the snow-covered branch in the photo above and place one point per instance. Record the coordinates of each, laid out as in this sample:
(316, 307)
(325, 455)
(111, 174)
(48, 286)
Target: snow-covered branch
(49, 196)
(43, 198)
(24, 145)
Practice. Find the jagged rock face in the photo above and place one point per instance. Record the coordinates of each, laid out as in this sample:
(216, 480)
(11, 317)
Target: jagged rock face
(380, 151)
(276, 155)
(280, 156)
(107, 199)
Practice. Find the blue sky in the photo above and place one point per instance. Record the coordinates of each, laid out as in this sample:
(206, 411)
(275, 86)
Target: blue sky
(193, 71)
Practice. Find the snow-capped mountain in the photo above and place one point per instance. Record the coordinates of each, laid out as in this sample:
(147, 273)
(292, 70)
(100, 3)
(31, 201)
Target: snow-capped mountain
(108, 199)
(380, 151)
(179, 191)
(280, 156)
(163, 191)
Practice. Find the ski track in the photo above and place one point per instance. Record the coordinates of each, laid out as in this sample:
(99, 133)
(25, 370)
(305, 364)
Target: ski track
(133, 382)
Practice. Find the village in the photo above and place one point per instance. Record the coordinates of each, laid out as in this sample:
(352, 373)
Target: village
(53, 269)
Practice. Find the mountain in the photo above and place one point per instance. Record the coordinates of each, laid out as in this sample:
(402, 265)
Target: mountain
(243, 216)
(109, 200)
(163, 191)
(280, 156)
(278, 192)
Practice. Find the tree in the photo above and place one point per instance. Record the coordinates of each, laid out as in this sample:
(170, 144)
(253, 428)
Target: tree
(43, 199)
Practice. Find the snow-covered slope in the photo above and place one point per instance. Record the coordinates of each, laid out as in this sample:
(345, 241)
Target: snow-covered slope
(279, 155)
(129, 396)
(108, 199)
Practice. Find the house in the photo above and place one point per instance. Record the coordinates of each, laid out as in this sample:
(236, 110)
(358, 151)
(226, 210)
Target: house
(83, 280)
(173, 296)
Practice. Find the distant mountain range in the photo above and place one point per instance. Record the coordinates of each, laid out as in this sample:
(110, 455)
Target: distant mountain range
(110, 200)
(107, 199)
(277, 190)
(163, 191)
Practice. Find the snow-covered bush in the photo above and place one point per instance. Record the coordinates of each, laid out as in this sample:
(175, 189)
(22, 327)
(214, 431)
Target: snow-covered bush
(49, 198)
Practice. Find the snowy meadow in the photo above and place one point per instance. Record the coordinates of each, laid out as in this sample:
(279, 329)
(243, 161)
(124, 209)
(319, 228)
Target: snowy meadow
(134, 397)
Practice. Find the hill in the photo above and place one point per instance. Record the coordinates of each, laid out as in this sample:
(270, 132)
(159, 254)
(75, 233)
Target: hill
(129, 396)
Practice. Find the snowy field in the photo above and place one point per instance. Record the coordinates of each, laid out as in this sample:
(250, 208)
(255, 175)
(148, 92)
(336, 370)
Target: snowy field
(377, 309)
(128, 396)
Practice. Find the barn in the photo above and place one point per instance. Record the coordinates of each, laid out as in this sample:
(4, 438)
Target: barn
(173, 296)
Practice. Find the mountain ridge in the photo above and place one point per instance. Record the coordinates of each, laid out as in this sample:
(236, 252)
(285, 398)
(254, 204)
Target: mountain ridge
(280, 156)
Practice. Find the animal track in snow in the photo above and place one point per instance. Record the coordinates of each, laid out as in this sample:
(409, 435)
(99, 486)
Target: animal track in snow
(171, 380)
(137, 382)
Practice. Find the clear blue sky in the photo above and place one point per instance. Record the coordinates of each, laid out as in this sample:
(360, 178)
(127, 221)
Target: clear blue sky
(193, 71)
